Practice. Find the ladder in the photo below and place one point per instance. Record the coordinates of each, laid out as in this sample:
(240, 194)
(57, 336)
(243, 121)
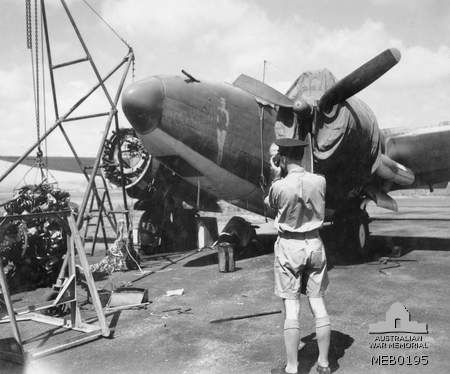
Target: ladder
(97, 211)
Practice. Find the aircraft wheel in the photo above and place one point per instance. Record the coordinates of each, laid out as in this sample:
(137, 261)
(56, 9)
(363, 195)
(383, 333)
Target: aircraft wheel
(353, 234)
(150, 235)
(360, 236)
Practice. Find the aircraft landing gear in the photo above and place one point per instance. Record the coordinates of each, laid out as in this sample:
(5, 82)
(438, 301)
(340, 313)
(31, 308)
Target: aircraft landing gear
(352, 229)
(150, 234)
(163, 230)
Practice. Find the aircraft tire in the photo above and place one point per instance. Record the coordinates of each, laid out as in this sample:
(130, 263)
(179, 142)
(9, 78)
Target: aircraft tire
(150, 235)
(358, 235)
(353, 235)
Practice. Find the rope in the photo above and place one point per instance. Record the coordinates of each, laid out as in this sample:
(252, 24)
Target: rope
(107, 24)
(24, 178)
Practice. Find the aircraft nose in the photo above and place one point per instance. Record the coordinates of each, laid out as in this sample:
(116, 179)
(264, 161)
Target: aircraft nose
(142, 103)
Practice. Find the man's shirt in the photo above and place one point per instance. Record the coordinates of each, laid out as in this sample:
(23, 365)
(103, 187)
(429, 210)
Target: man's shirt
(299, 200)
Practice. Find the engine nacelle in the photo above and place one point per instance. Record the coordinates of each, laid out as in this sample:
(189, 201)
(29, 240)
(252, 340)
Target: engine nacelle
(138, 166)
(347, 142)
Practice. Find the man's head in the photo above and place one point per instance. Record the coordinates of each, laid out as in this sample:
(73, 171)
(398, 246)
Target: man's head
(290, 151)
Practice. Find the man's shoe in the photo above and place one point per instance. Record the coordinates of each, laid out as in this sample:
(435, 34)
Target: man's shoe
(279, 371)
(323, 369)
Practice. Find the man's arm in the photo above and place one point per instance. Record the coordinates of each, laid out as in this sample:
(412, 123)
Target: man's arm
(267, 199)
(322, 191)
(273, 196)
(271, 200)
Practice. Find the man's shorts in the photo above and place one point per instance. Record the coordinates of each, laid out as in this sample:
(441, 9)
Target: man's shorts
(300, 266)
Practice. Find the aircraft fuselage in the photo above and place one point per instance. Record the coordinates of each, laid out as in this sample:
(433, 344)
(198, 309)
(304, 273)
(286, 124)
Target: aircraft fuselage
(215, 129)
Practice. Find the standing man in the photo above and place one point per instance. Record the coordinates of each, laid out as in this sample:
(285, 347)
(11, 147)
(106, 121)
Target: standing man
(300, 264)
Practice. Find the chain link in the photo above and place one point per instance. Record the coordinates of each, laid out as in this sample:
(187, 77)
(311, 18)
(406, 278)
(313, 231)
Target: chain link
(28, 22)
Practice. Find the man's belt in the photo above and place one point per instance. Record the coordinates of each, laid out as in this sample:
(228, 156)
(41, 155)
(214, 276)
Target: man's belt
(299, 235)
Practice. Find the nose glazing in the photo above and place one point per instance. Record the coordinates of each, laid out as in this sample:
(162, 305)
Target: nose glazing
(142, 103)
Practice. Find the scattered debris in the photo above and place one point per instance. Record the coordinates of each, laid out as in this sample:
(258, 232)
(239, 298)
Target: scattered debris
(126, 307)
(118, 257)
(386, 260)
(127, 297)
(382, 270)
(245, 316)
(177, 292)
(164, 313)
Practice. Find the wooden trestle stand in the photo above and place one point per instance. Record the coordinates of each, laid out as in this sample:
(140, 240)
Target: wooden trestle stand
(12, 349)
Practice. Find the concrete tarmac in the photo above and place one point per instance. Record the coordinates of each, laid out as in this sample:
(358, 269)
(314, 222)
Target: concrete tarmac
(175, 334)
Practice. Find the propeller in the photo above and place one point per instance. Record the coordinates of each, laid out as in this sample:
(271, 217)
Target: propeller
(263, 93)
(353, 83)
(345, 88)
(359, 79)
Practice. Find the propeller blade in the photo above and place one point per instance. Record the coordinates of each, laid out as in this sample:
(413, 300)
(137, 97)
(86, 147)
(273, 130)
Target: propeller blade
(359, 79)
(262, 91)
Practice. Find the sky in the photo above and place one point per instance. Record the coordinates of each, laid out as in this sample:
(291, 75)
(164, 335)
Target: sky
(216, 40)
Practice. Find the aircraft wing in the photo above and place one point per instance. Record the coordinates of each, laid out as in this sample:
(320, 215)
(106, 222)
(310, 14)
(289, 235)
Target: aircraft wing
(426, 152)
(60, 163)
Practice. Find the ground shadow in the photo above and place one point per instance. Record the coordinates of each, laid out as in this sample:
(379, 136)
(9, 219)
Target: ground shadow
(15, 368)
(337, 256)
(407, 244)
(307, 356)
(385, 246)
(11, 367)
(379, 246)
(263, 247)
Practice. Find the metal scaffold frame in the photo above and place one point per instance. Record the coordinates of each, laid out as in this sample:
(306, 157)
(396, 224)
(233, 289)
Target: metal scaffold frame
(75, 241)
(60, 120)
(67, 295)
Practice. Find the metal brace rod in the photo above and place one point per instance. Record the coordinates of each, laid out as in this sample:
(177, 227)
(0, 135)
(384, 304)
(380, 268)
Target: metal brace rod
(87, 116)
(68, 63)
(88, 55)
(60, 120)
(49, 58)
(102, 143)
(55, 102)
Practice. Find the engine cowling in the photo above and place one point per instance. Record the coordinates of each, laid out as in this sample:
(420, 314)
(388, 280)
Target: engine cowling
(347, 142)
(138, 166)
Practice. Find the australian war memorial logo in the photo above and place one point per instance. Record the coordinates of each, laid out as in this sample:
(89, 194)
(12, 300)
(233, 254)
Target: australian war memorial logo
(398, 320)
(399, 341)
